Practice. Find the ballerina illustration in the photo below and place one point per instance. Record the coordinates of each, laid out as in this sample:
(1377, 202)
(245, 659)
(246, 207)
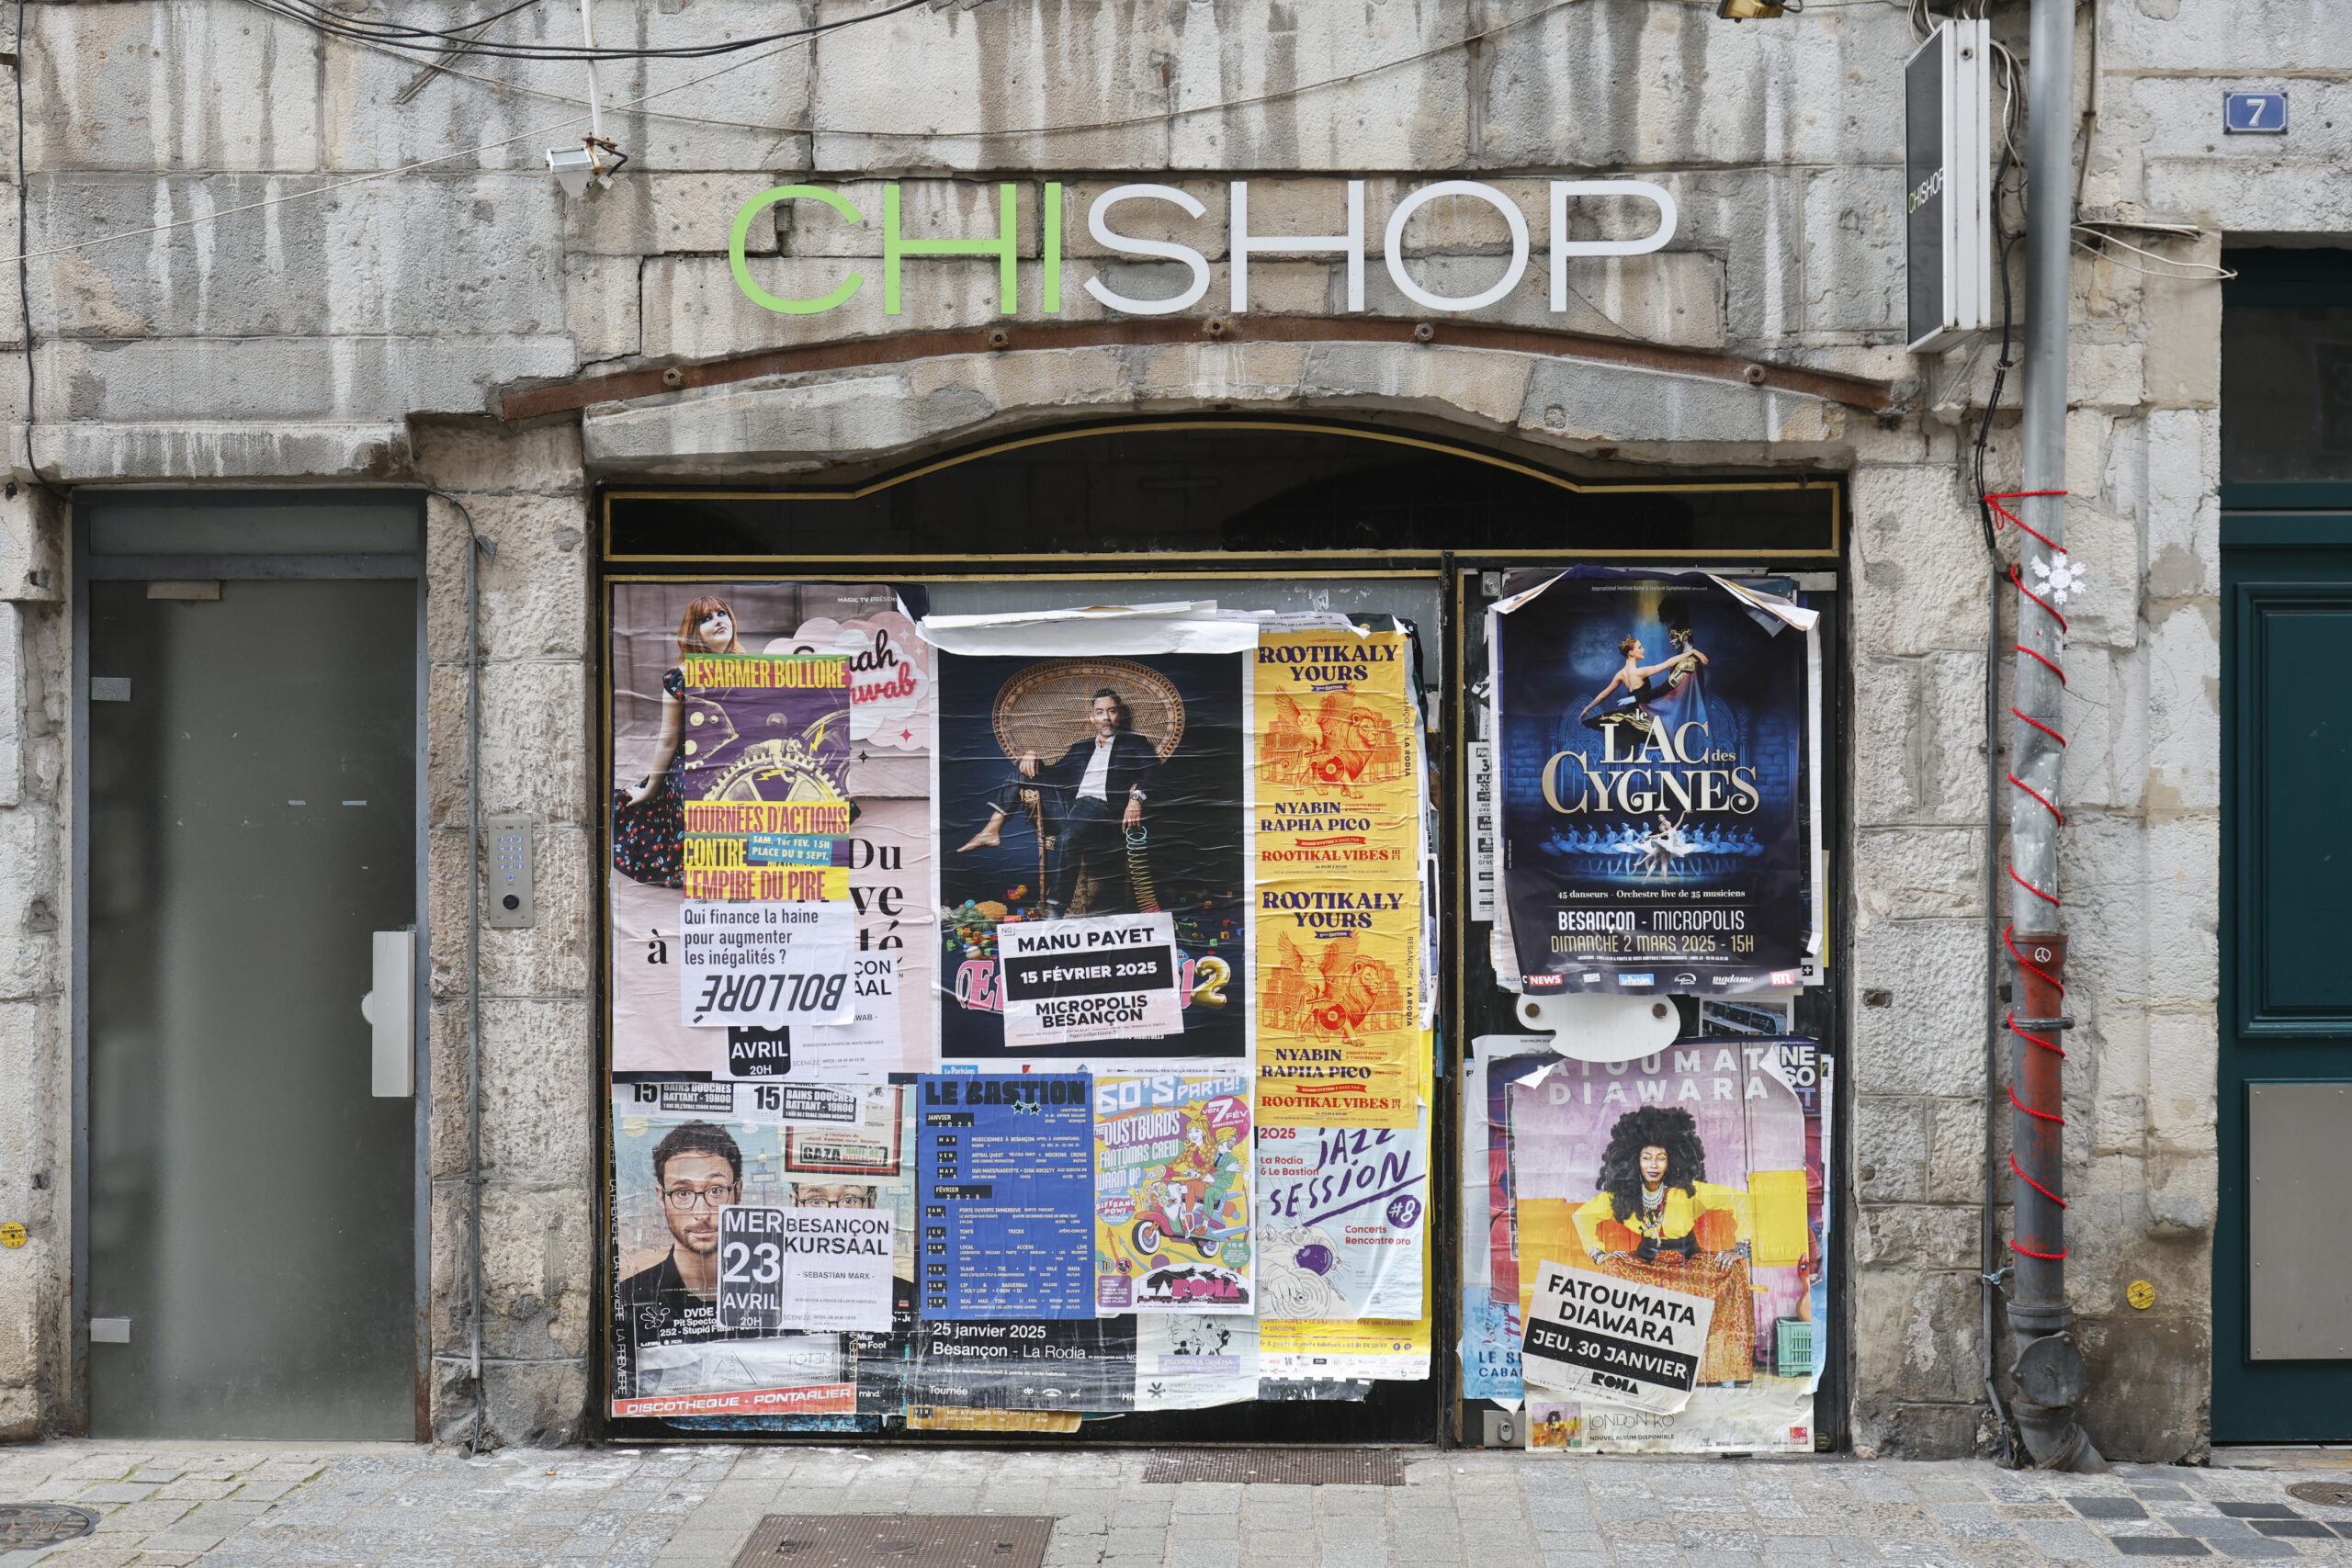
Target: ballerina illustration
(1633, 698)
(1664, 844)
(1624, 694)
(1680, 702)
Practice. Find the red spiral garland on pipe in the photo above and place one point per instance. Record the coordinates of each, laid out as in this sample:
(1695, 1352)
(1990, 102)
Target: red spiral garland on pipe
(2008, 934)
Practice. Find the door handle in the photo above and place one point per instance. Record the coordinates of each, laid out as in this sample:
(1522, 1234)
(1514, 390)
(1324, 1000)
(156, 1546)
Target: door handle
(390, 1013)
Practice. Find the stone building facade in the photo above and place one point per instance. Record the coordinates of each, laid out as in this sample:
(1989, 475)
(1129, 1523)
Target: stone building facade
(339, 267)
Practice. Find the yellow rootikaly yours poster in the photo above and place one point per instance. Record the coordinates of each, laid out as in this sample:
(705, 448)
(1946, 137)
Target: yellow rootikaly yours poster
(1337, 885)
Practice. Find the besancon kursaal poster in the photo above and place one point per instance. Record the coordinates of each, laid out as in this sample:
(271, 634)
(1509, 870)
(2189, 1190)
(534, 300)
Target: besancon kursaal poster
(960, 964)
(1656, 765)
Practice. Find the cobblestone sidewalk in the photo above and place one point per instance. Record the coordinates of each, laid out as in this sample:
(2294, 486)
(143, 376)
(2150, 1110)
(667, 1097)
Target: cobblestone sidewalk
(241, 1506)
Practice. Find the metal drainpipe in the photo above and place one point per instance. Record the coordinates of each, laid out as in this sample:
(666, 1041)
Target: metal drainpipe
(2049, 1372)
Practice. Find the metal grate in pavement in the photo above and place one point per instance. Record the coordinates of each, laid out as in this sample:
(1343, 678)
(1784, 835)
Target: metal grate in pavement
(1279, 1467)
(30, 1526)
(896, 1540)
(2332, 1493)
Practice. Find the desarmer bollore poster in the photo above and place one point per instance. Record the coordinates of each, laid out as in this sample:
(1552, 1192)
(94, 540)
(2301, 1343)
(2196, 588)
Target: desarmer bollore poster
(1656, 733)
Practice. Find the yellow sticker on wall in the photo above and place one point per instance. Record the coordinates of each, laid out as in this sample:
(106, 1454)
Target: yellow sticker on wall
(13, 1234)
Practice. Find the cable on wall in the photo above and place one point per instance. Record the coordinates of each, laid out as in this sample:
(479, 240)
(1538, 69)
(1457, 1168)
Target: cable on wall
(435, 64)
(429, 40)
(24, 273)
(541, 132)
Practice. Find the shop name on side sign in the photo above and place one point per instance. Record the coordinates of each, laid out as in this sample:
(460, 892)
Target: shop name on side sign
(1242, 244)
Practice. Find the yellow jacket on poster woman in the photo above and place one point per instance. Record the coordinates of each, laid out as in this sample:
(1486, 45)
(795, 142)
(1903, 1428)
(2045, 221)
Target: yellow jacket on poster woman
(1677, 1218)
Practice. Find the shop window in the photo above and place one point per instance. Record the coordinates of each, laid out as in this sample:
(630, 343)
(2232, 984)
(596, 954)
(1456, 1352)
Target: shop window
(1287, 761)
(1201, 488)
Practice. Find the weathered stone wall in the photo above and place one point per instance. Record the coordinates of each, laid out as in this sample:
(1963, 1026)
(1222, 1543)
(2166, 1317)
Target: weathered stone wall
(521, 492)
(354, 321)
(35, 1053)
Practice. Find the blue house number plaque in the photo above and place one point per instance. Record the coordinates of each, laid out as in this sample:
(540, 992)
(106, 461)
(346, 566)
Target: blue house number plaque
(2254, 114)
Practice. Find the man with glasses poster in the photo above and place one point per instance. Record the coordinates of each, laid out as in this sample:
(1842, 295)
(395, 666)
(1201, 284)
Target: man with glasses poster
(682, 1152)
(697, 1169)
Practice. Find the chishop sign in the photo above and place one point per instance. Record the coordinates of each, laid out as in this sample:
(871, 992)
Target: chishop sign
(1243, 243)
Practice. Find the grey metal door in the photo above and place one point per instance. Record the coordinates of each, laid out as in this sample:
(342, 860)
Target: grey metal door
(250, 1199)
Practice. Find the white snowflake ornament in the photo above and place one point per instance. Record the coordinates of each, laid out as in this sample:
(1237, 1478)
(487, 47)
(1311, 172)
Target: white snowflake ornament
(2060, 583)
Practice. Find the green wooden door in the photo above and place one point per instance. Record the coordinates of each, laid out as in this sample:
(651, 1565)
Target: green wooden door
(2282, 1276)
(2283, 1311)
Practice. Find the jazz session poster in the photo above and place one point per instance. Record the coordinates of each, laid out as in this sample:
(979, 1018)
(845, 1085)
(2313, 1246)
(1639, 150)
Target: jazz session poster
(1656, 771)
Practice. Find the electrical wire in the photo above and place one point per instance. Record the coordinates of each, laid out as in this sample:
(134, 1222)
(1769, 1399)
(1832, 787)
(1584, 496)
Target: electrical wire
(1078, 127)
(460, 33)
(1992, 1269)
(319, 19)
(2012, 72)
(537, 134)
(24, 274)
(2003, 243)
(2206, 271)
(632, 103)
(634, 106)
(1154, 116)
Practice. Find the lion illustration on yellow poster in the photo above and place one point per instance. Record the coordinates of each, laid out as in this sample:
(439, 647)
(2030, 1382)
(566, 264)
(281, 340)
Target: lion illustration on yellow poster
(1336, 992)
(1346, 740)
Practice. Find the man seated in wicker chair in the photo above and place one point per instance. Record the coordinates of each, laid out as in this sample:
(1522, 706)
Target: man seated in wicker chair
(1113, 764)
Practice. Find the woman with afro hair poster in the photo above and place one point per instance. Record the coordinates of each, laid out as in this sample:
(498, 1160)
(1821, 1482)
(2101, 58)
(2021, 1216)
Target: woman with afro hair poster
(1697, 1171)
(1658, 1221)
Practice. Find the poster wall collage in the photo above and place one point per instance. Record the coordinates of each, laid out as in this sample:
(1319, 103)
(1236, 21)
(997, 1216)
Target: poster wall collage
(1025, 1020)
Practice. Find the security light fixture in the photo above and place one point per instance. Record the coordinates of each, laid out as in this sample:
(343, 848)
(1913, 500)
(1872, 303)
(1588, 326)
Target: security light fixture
(1751, 10)
(573, 167)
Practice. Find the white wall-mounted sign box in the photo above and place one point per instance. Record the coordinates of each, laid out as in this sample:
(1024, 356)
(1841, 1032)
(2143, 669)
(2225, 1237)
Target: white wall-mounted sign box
(1948, 186)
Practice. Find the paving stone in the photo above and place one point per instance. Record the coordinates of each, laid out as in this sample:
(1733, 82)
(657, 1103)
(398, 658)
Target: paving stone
(2160, 1546)
(2061, 1539)
(266, 1490)
(418, 1508)
(2109, 1508)
(1718, 1540)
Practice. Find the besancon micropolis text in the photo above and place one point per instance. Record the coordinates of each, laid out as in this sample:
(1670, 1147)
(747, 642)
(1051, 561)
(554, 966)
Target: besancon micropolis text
(1242, 244)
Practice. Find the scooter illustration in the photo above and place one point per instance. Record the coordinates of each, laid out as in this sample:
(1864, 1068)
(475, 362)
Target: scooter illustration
(1160, 1221)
